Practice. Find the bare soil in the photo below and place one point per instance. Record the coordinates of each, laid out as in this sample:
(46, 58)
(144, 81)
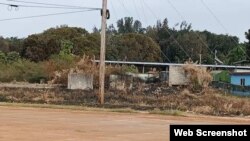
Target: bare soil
(35, 124)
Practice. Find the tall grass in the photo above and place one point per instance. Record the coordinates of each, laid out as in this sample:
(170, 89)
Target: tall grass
(199, 77)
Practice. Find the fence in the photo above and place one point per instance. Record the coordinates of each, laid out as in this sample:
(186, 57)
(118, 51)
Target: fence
(233, 89)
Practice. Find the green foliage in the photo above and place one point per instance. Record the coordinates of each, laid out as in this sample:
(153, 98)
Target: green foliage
(4, 45)
(88, 45)
(59, 63)
(179, 43)
(66, 48)
(222, 43)
(169, 40)
(176, 43)
(2, 57)
(192, 44)
(13, 57)
(22, 70)
(40, 47)
(224, 76)
(133, 47)
(248, 44)
(15, 44)
(236, 54)
(132, 69)
(128, 25)
(62, 61)
(9, 58)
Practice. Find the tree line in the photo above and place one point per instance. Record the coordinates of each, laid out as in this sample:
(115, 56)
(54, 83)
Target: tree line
(129, 40)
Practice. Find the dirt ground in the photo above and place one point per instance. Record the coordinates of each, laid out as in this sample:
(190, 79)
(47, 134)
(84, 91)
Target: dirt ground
(35, 124)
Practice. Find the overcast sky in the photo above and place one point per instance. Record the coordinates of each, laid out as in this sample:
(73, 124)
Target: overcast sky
(218, 16)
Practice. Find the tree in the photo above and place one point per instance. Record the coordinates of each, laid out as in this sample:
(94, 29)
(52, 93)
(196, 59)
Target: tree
(88, 45)
(39, 47)
(111, 30)
(223, 44)
(128, 25)
(248, 44)
(66, 48)
(2, 57)
(137, 27)
(192, 45)
(8, 58)
(133, 47)
(65, 33)
(4, 45)
(236, 54)
(166, 39)
(15, 44)
(96, 30)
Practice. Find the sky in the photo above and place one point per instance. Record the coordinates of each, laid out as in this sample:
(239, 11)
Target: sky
(218, 16)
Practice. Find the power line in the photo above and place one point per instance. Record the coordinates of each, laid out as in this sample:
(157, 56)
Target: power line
(51, 4)
(178, 44)
(44, 15)
(214, 16)
(50, 7)
(113, 7)
(138, 15)
(122, 4)
(143, 11)
(221, 24)
(199, 37)
(160, 49)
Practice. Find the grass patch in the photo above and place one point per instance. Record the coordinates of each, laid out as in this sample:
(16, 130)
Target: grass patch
(82, 108)
(46, 106)
(126, 110)
(68, 107)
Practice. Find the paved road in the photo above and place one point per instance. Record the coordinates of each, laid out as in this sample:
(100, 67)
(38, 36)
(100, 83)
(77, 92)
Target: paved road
(34, 124)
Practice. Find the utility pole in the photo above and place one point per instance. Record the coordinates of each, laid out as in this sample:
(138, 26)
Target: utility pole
(200, 58)
(200, 55)
(102, 53)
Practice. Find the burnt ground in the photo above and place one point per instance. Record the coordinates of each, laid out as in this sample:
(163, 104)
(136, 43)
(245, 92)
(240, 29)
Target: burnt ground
(142, 97)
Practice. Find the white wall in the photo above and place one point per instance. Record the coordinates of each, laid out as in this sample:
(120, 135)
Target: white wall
(177, 76)
(80, 81)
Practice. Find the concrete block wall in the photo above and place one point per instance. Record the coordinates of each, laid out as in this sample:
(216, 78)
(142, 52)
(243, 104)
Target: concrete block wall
(80, 81)
(177, 76)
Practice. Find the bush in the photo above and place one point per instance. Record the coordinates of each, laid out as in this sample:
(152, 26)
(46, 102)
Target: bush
(10, 57)
(22, 70)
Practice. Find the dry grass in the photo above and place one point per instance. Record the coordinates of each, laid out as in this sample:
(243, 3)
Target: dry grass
(85, 65)
(167, 112)
(143, 99)
(203, 109)
(199, 77)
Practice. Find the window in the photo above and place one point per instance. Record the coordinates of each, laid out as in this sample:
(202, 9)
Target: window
(242, 82)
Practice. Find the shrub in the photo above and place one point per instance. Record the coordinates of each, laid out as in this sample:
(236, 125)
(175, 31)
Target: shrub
(22, 70)
(10, 57)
